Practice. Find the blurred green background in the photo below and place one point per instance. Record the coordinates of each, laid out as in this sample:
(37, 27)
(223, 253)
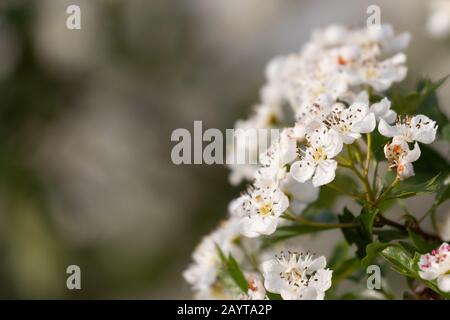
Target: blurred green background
(86, 117)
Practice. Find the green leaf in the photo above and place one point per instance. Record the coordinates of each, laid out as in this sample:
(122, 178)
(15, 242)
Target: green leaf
(429, 105)
(366, 219)
(406, 104)
(443, 193)
(378, 142)
(231, 267)
(372, 251)
(421, 245)
(387, 235)
(400, 260)
(237, 274)
(345, 269)
(409, 189)
(421, 101)
(222, 257)
(273, 296)
(354, 235)
(408, 247)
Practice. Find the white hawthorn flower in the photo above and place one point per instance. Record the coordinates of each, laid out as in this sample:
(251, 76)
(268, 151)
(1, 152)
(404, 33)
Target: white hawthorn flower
(352, 121)
(400, 157)
(418, 128)
(259, 210)
(317, 161)
(297, 276)
(436, 266)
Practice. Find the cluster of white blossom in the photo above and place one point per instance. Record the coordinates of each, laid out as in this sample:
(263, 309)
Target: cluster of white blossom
(438, 23)
(435, 266)
(336, 64)
(407, 130)
(327, 86)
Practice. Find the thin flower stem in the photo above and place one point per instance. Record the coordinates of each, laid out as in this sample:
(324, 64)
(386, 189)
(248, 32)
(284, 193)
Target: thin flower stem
(380, 219)
(433, 207)
(350, 154)
(365, 181)
(386, 191)
(363, 178)
(434, 220)
(375, 176)
(369, 154)
(343, 162)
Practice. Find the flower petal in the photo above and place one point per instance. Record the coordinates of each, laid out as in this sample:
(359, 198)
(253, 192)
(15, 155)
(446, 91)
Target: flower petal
(443, 282)
(310, 293)
(387, 130)
(424, 129)
(302, 170)
(325, 173)
(366, 125)
(317, 264)
(333, 143)
(413, 154)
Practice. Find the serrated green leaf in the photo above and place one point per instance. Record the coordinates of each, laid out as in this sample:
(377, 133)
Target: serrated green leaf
(421, 101)
(400, 260)
(408, 247)
(408, 189)
(366, 219)
(354, 235)
(345, 269)
(372, 251)
(387, 235)
(421, 245)
(429, 105)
